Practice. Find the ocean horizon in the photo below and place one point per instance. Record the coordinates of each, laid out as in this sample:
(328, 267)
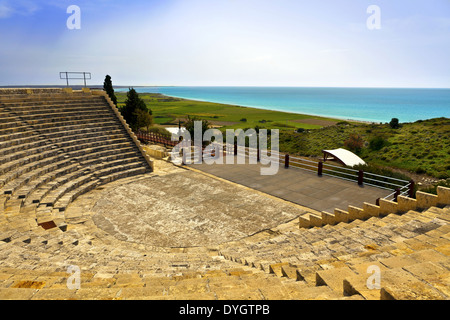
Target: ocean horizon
(361, 104)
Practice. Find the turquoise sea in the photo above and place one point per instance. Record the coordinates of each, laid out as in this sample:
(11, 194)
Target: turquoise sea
(365, 104)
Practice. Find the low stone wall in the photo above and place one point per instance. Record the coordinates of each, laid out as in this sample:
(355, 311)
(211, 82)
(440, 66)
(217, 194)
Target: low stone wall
(404, 204)
(156, 152)
(7, 91)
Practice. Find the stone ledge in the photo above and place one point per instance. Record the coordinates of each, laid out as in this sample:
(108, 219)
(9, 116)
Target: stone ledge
(424, 201)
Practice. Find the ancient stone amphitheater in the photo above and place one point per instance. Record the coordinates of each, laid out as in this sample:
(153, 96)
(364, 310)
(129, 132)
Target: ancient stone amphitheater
(67, 161)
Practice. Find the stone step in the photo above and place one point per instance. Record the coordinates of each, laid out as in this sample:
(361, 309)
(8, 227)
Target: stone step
(9, 166)
(66, 184)
(56, 127)
(64, 137)
(45, 175)
(28, 167)
(15, 129)
(25, 108)
(5, 139)
(29, 138)
(25, 145)
(88, 130)
(67, 118)
(123, 174)
(46, 98)
(24, 152)
(46, 115)
(32, 99)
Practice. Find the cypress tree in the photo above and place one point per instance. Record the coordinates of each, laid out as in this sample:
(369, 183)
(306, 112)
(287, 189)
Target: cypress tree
(108, 87)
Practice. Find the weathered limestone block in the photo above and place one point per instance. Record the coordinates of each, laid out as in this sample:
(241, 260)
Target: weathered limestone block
(387, 207)
(356, 213)
(406, 204)
(156, 151)
(371, 210)
(333, 278)
(426, 200)
(328, 218)
(304, 222)
(315, 220)
(399, 284)
(277, 268)
(443, 196)
(341, 215)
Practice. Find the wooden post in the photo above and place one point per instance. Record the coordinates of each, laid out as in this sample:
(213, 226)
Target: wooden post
(286, 161)
(360, 177)
(396, 194)
(411, 188)
(320, 168)
(183, 151)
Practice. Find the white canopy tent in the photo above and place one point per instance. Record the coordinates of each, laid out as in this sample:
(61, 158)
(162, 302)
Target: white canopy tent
(345, 157)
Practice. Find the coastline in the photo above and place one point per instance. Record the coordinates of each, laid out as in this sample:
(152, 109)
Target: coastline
(365, 105)
(324, 117)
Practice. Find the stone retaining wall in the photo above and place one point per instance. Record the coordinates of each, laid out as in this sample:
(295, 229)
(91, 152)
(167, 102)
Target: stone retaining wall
(404, 204)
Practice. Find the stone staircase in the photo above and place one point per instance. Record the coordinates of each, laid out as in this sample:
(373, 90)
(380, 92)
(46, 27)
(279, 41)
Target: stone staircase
(410, 251)
(56, 145)
(35, 266)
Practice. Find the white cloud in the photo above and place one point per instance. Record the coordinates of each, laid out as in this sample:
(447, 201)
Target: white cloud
(5, 10)
(20, 7)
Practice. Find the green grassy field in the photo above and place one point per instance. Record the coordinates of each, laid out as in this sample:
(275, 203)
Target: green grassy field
(167, 111)
(419, 148)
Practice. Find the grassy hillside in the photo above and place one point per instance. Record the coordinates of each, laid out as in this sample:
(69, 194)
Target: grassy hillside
(421, 147)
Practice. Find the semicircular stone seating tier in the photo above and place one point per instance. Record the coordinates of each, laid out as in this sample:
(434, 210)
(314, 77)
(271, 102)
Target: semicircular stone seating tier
(56, 145)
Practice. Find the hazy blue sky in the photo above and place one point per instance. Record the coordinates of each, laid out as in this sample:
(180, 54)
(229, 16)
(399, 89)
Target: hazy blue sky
(228, 42)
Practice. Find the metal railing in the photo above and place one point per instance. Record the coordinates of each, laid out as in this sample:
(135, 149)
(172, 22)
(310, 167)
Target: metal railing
(75, 76)
(155, 138)
(397, 186)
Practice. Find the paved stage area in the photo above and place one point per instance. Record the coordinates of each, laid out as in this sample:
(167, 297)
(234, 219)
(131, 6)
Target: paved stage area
(187, 207)
(303, 187)
(178, 207)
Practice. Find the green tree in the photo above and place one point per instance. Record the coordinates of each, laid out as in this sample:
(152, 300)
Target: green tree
(189, 125)
(143, 119)
(133, 103)
(108, 87)
(394, 124)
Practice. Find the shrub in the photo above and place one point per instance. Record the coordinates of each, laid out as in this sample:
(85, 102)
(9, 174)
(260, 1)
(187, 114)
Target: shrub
(420, 170)
(394, 124)
(443, 175)
(243, 120)
(377, 143)
(354, 143)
